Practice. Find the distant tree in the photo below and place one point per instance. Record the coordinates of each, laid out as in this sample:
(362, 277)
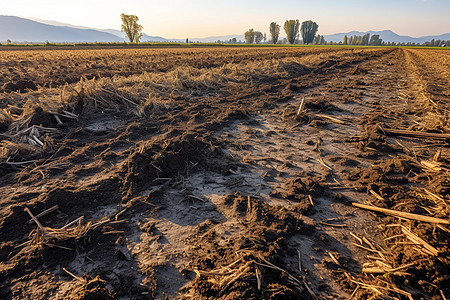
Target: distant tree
(250, 36)
(233, 41)
(274, 30)
(258, 37)
(376, 41)
(365, 39)
(345, 40)
(309, 30)
(357, 40)
(316, 40)
(131, 28)
(187, 41)
(322, 40)
(8, 41)
(291, 28)
(351, 40)
(319, 40)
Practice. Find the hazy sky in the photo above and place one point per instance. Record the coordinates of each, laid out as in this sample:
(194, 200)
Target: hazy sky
(201, 18)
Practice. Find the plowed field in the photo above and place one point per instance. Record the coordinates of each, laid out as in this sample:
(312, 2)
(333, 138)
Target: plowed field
(225, 173)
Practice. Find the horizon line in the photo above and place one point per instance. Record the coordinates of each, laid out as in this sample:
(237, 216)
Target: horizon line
(86, 28)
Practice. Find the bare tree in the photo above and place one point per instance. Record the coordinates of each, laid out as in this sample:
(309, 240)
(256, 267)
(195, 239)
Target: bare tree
(131, 28)
(291, 28)
(274, 30)
(309, 30)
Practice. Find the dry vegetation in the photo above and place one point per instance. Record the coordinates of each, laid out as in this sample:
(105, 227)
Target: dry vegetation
(284, 173)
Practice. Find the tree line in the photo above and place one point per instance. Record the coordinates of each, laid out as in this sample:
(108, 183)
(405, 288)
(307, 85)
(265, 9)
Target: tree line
(436, 43)
(375, 40)
(366, 40)
(307, 30)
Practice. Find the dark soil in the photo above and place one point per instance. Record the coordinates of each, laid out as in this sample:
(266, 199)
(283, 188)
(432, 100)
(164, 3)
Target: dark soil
(228, 193)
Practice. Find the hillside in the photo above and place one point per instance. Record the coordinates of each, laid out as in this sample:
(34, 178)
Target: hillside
(23, 30)
(36, 30)
(145, 37)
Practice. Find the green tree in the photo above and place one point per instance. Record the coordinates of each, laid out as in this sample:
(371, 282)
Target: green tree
(319, 40)
(258, 37)
(131, 28)
(250, 36)
(274, 30)
(350, 41)
(316, 40)
(345, 40)
(309, 30)
(365, 39)
(291, 28)
(357, 40)
(376, 41)
(373, 39)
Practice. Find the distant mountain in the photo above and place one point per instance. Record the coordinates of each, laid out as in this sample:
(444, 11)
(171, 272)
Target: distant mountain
(24, 30)
(213, 39)
(35, 30)
(387, 36)
(55, 23)
(122, 35)
(442, 37)
(145, 37)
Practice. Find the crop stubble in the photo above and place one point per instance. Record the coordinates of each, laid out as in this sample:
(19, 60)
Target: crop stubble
(197, 176)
